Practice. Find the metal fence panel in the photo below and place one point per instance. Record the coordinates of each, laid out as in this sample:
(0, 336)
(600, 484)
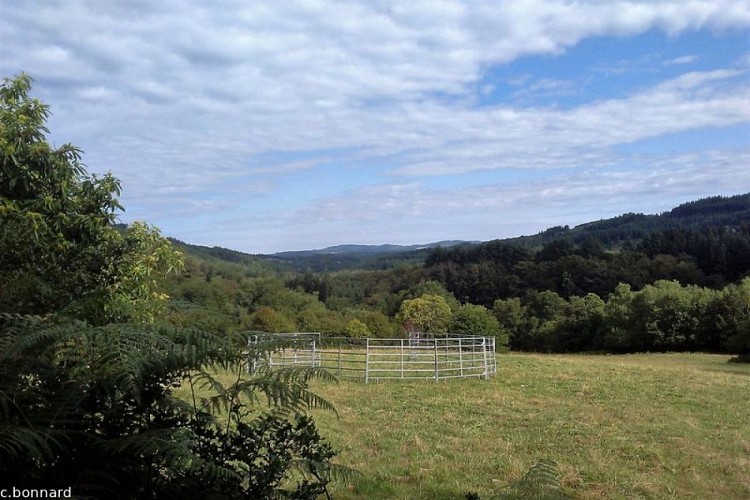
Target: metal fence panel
(374, 359)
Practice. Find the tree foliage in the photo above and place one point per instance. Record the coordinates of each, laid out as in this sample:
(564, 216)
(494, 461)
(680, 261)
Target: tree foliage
(61, 251)
(428, 313)
(357, 329)
(665, 316)
(470, 319)
(710, 256)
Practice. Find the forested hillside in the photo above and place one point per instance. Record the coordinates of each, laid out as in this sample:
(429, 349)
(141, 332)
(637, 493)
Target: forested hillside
(624, 230)
(631, 283)
(712, 257)
(708, 213)
(342, 257)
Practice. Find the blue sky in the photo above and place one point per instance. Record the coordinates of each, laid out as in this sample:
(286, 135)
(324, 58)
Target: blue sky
(272, 126)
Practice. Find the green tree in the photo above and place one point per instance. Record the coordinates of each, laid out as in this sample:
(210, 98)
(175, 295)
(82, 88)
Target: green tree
(662, 318)
(511, 315)
(581, 324)
(431, 288)
(377, 323)
(428, 313)
(618, 313)
(543, 310)
(472, 319)
(60, 249)
(137, 293)
(737, 320)
(357, 329)
(317, 318)
(266, 319)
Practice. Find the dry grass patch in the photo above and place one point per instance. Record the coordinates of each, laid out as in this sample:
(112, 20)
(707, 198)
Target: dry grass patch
(638, 426)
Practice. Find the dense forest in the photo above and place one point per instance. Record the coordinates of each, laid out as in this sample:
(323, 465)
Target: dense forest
(675, 281)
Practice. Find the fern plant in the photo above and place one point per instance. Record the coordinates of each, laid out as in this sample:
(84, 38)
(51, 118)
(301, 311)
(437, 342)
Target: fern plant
(92, 408)
(540, 482)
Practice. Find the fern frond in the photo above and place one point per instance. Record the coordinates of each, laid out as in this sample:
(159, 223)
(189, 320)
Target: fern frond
(328, 471)
(19, 441)
(287, 388)
(163, 442)
(540, 482)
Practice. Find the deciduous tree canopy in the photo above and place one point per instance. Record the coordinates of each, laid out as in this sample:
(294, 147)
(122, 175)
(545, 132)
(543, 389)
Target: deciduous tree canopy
(61, 251)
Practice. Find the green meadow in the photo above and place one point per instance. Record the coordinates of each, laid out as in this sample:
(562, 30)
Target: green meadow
(631, 426)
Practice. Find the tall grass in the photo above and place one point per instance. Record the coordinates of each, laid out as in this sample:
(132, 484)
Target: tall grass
(636, 426)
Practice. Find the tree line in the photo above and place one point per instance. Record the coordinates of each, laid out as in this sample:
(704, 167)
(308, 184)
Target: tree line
(664, 316)
(702, 245)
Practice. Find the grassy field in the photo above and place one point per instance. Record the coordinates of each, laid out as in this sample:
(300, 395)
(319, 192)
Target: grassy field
(636, 426)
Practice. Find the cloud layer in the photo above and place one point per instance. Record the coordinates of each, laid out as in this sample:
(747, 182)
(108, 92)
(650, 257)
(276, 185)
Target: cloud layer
(278, 125)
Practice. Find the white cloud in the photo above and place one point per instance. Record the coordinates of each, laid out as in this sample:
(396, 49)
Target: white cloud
(681, 60)
(541, 138)
(415, 212)
(181, 98)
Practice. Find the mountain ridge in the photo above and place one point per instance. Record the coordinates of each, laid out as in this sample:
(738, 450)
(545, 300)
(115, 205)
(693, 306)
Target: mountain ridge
(716, 211)
(369, 249)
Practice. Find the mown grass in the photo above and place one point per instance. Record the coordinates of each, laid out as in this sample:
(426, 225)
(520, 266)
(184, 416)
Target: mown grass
(635, 426)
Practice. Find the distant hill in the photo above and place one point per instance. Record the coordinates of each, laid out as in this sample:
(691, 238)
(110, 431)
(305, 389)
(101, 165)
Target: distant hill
(215, 252)
(704, 243)
(254, 264)
(334, 258)
(714, 212)
(365, 249)
(717, 211)
(340, 257)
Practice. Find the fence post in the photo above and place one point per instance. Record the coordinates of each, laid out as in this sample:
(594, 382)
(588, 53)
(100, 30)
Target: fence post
(367, 361)
(402, 358)
(339, 365)
(434, 340)
(461, 356)
(484, 353)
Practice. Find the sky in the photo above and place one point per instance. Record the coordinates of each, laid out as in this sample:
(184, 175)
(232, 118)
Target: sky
(269, 126)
